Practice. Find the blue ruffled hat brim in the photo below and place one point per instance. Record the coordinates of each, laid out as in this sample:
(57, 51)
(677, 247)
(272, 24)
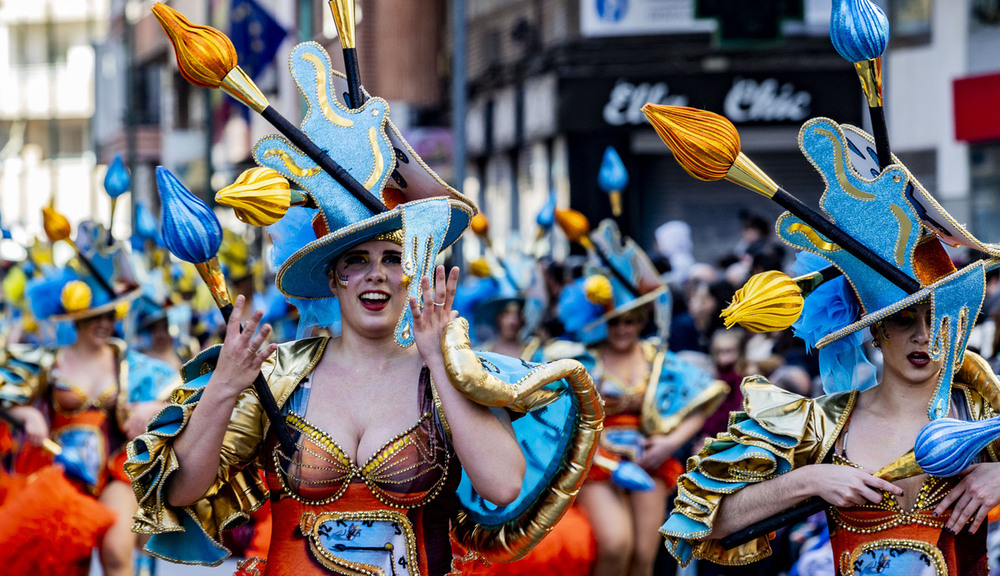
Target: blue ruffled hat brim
(304, 274)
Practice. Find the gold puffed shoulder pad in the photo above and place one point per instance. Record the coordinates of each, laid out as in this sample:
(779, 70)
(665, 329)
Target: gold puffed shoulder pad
(238, 489)
(505, 540)
(778, 431)
(976, 373)
(23, 373)
(467, 374)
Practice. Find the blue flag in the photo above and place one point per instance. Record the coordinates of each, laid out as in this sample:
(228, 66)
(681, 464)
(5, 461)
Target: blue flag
(255, 35)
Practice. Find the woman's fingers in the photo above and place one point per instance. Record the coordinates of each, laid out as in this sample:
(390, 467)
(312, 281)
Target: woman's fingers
(978, 520)
(233, 326)
(950, 498)
(450, 287)
(440, 288)
(963, 512)
(258, 340)
(425, 291)
(879, 483)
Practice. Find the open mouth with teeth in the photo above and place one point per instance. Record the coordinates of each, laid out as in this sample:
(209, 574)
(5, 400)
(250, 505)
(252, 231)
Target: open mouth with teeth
(374, 301)
(919, 359)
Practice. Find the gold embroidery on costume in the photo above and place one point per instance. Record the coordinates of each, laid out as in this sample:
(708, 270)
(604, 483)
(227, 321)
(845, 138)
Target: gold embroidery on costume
(838, 155)
(321, 99)
(379, 160)
(905, 227)
(813, 237)
(933, 554)
(291, 165)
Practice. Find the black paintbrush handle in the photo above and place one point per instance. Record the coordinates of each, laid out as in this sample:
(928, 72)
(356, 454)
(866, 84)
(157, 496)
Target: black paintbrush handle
(881, 133)
(267, 400)
(323, 160)
(768, 525)
(845, 241)
(355, 98)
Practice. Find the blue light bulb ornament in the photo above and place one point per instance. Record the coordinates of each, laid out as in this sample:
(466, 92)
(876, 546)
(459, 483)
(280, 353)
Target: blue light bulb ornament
(946, 446)
(190, 228)
(192, 233)
(859, 31)
(117, 180)
(613, 178)
(546, 216)
(116, 183)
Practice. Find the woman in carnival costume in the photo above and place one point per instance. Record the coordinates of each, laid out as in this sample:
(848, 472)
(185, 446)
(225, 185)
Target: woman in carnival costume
(884, 232)
(91, 395)
(395, 449)
(655, 403)
(785, 448)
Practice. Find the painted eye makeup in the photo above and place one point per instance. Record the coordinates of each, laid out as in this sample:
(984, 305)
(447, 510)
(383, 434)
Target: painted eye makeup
(905, 319)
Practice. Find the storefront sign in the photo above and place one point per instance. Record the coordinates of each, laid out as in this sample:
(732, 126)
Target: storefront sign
(639, 17)
(764, 99)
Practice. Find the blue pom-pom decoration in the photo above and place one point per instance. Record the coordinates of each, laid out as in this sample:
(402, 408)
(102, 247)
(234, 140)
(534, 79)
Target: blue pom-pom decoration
(575, 312)
(859, 30)
(288, 235)
(613, 176)
(190, 229)
(117, 181)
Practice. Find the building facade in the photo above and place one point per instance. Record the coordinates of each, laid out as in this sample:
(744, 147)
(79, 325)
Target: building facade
(47, 101)
(553, 83)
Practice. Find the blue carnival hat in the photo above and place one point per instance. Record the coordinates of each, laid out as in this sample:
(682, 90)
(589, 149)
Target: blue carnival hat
(68, 295)
(423, 214)
(623, 280)
(894, 216)
(517, 281)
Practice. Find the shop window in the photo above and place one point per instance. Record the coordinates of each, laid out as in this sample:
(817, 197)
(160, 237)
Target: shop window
(986, 12)
(984, 164)
(910, 22)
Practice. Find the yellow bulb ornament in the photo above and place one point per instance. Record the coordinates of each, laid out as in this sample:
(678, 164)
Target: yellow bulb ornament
(76, 296)
(598, 290)
(768, 302)
(480, 268)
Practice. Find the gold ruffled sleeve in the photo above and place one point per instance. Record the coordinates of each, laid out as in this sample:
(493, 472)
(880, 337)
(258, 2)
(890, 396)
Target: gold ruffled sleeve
(23, 374)
(777, 432)
(192, 534)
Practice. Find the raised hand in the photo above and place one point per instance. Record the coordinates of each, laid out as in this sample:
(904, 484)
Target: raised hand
(973, 497)
(241, 356)
(429, 323)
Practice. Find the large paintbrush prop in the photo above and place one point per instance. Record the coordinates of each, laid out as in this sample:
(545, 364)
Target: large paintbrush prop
(206, 57)
(707, 146)
(343, 17)
(944, 447)
(613, 178)
(116, 183)
(576, 227)
(860, 33)
(192, 233)
(57, 228)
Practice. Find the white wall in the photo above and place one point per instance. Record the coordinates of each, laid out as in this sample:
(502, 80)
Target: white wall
(918, 89)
